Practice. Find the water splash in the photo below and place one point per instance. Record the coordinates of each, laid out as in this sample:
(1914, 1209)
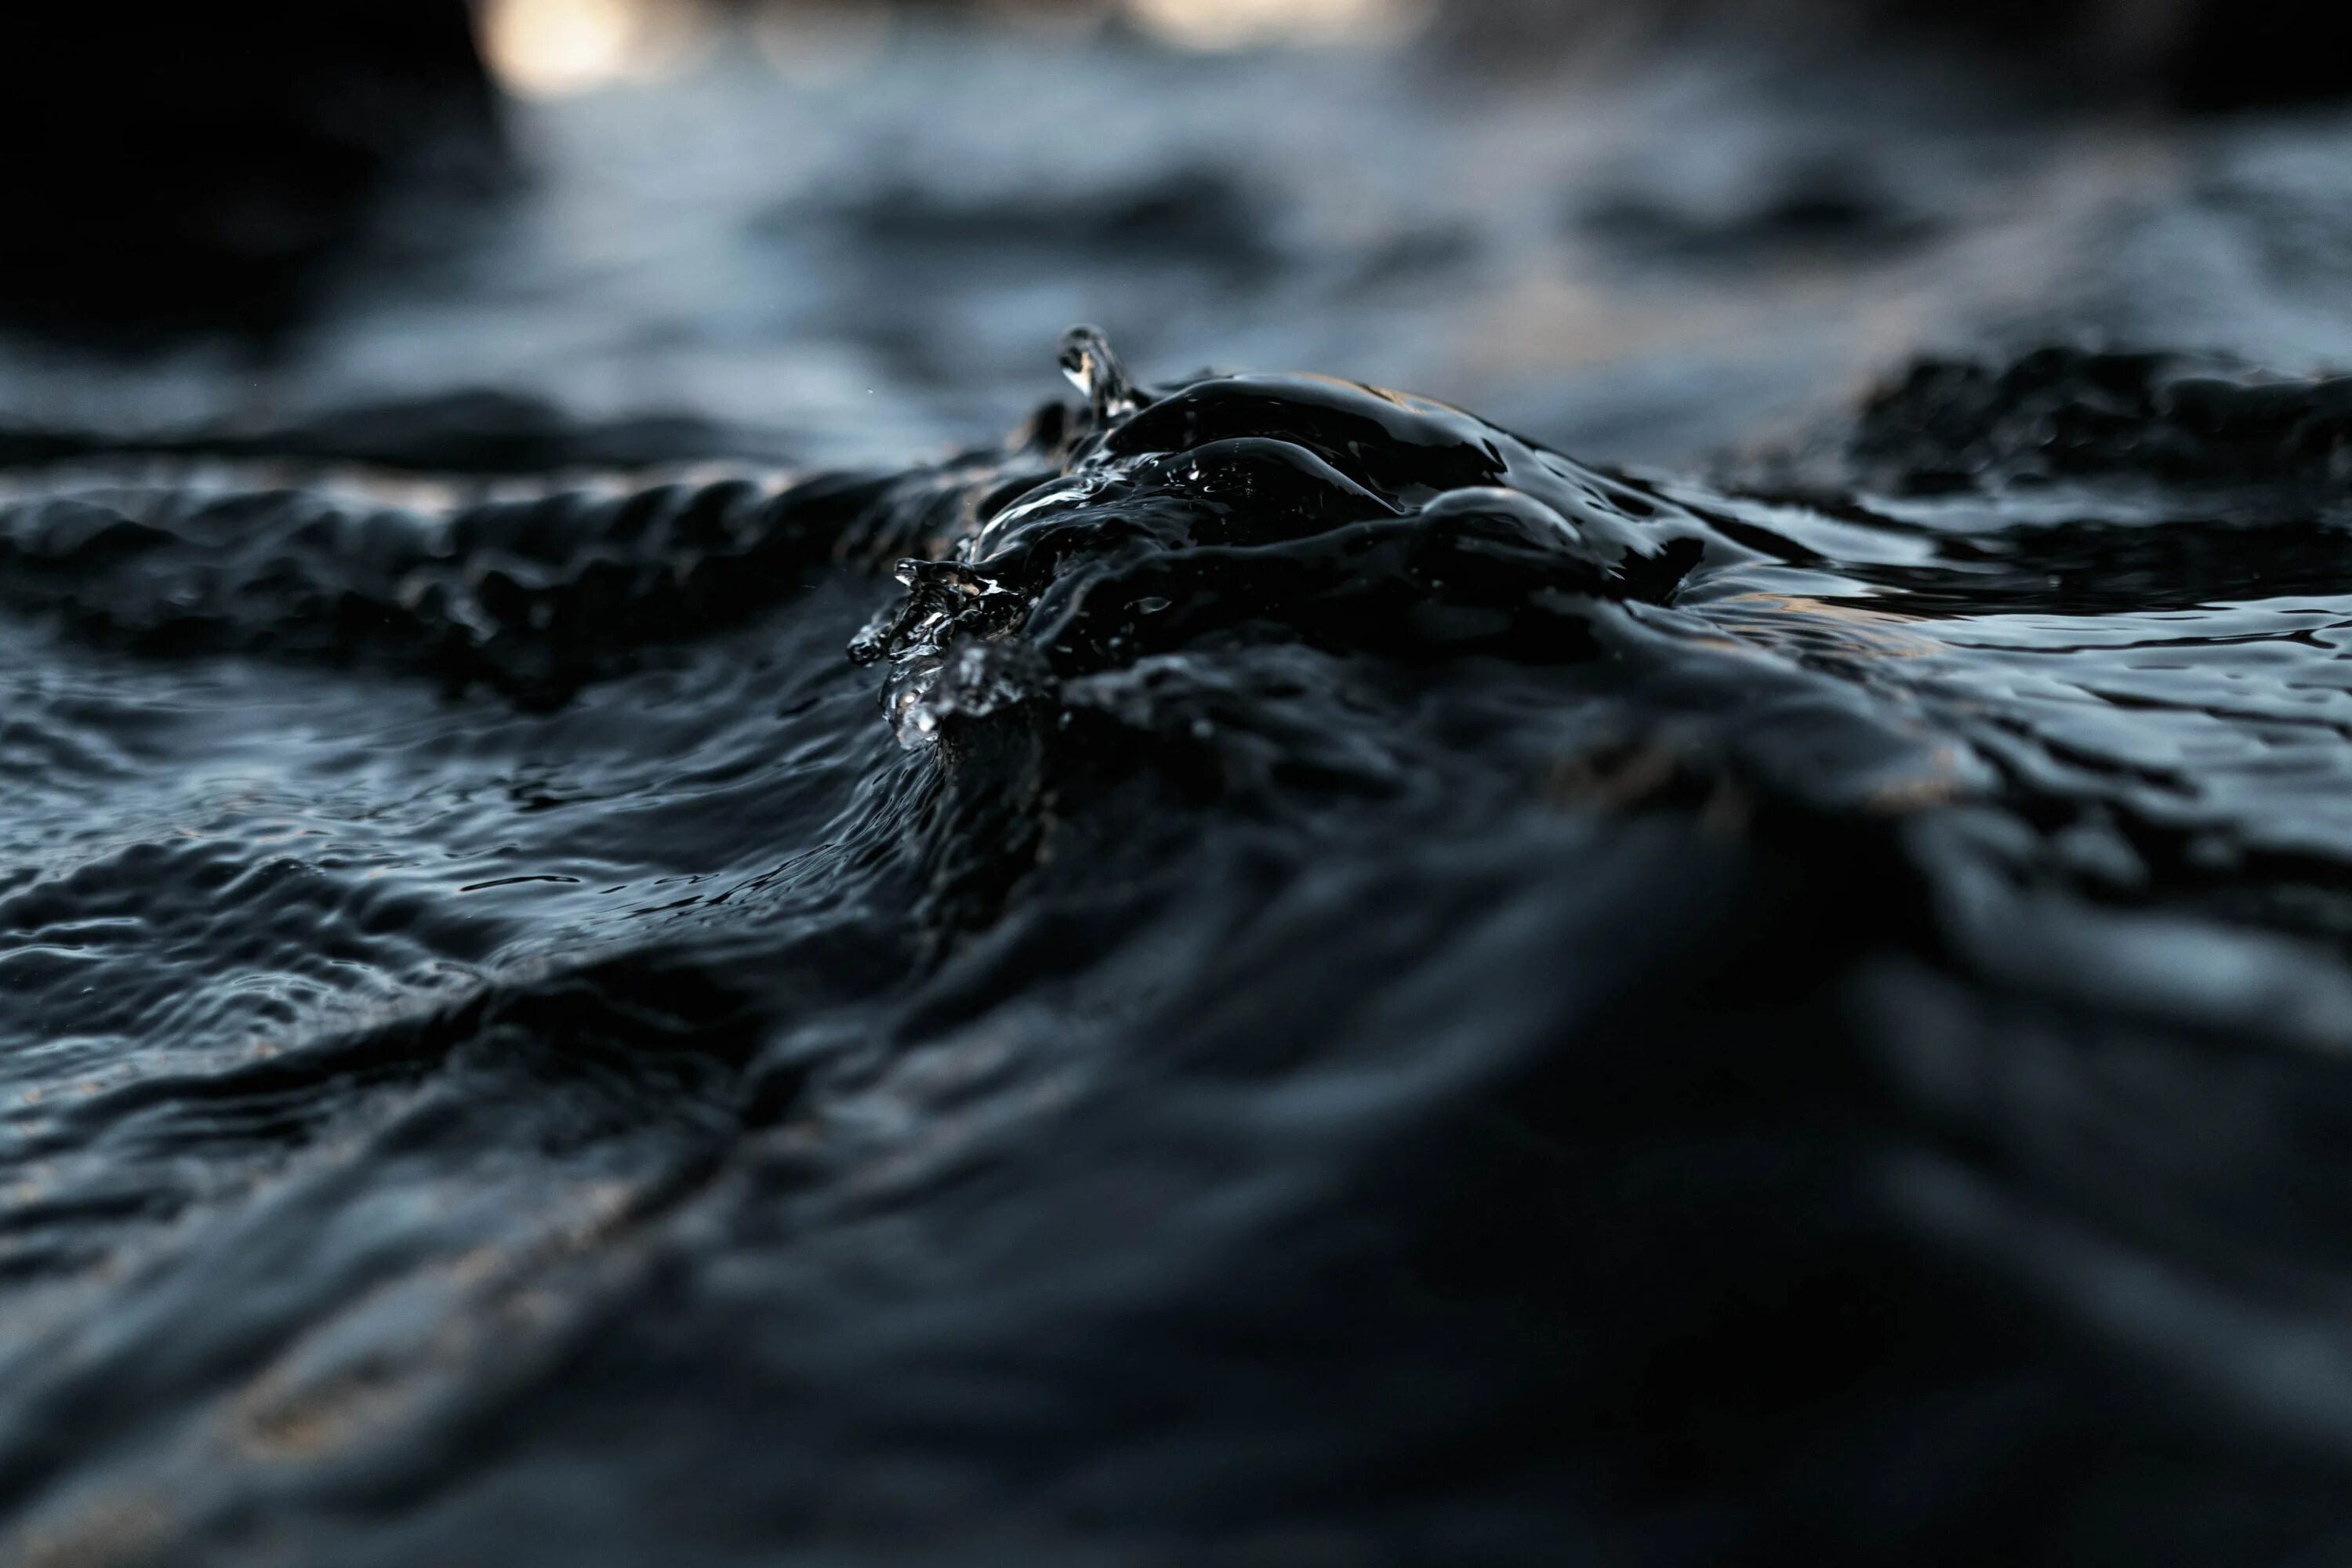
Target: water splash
(1088, 360)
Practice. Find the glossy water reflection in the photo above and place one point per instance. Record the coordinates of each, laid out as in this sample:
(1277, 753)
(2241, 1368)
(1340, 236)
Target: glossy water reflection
(1260, 971)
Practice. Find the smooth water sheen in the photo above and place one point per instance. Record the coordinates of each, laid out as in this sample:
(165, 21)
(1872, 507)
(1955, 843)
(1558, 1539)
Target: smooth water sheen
(1318, 983)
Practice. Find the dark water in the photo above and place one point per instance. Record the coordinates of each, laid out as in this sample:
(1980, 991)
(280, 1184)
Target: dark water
(1265, 973)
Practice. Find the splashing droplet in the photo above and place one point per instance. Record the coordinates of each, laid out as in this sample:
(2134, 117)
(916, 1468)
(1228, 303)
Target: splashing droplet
(1094, 370)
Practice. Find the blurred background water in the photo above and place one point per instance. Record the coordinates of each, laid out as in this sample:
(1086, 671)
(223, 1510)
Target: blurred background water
(1648, 232)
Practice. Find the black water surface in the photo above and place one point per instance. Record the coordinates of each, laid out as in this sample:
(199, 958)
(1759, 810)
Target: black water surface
(1321, 984)
(607, 958)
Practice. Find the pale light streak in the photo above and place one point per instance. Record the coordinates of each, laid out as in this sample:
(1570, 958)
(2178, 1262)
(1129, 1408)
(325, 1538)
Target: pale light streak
(1241, 24)
(556, 48)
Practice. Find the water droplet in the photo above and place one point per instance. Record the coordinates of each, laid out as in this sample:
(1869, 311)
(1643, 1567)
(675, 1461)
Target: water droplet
(1088, 359)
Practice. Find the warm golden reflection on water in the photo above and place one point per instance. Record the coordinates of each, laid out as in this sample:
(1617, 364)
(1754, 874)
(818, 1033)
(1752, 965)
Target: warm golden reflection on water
(559, 48)
(555, 48)
(1236, 24)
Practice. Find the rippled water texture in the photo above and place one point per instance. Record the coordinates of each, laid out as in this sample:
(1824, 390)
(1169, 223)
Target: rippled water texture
(1264, 971)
